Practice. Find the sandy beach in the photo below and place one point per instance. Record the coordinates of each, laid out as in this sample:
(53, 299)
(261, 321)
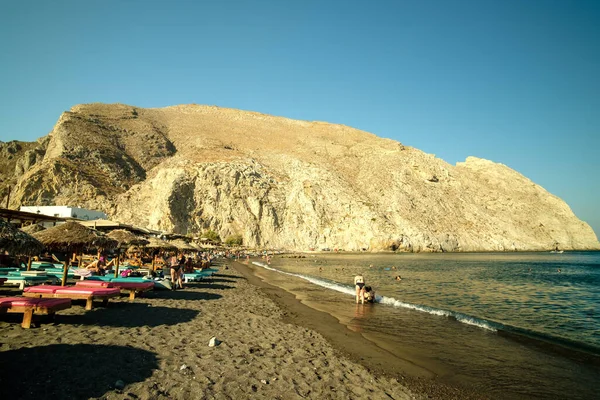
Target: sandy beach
(272, 347)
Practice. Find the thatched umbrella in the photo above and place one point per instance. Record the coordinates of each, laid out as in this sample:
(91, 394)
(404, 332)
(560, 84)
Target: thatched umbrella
(33, 228)
(155, 243)
(72, 237)
(196, 246)
(125, 238)
(182, 245)
(17, 242)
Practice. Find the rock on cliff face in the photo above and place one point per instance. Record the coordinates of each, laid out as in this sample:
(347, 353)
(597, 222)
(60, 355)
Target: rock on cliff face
(287, 184)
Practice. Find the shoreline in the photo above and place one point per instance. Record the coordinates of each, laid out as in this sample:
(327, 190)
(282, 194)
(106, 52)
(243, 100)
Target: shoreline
(353, 345)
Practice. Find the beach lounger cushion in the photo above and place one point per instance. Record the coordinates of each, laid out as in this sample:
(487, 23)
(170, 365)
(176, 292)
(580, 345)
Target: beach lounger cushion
(87, 291)
(42, 289)
(96, 284)
(31, 301)
(29, 306)
(133, 285)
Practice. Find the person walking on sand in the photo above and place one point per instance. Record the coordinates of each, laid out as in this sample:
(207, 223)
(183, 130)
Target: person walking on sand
(359, 282)
(174, 267)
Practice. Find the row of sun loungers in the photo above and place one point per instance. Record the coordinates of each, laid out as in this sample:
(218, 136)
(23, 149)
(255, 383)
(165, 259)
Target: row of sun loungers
(48, 299)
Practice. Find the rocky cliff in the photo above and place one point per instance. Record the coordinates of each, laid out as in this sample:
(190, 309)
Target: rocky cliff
(283, 183)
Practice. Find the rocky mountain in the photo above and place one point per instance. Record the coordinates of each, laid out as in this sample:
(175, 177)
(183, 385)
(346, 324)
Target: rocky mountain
(282, 183)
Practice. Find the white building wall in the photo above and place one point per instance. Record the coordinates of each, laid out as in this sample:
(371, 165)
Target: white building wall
(65, 212)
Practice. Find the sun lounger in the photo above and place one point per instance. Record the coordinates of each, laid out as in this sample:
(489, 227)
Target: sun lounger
(28, 307)
(23, 281)
(106, 278)
(33, 273)
(198, 275)
(74, 293)
(5, 270)
(94, 284)
(131, 288)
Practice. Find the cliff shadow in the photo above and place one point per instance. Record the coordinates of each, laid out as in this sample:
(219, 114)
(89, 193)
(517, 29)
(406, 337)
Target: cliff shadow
(206, 284)
(129, 315)
(63, 371)
(219, 280)
(185, 294)
(225, 276)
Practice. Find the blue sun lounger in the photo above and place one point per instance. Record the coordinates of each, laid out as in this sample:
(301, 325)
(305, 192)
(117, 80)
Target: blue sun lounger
(198, 275)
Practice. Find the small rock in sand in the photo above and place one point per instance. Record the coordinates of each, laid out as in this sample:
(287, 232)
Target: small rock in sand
(213, 342)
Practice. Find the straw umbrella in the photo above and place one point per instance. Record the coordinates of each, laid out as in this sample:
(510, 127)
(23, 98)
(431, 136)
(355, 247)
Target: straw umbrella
(17, 242)
(31, 229)
(182, 245)
(155, 243)
(124, 238)
(196, 246)
(72, 237)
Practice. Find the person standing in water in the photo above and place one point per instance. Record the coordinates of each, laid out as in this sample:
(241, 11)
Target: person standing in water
(359, 282)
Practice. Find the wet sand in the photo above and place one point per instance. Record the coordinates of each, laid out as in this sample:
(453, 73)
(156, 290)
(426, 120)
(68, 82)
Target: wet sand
(272, 347)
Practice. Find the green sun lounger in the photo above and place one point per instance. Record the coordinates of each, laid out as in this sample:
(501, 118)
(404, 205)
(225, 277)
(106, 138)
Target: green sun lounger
(23, 281)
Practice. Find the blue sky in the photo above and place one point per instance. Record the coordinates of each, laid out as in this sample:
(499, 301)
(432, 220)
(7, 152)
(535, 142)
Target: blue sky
(515, 82)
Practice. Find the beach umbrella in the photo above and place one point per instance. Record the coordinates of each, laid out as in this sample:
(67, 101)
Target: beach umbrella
(32, 228)
(72, 237)
(182, 245)
(17, 242)
(124, 238)
(196, 246)
(156, 243)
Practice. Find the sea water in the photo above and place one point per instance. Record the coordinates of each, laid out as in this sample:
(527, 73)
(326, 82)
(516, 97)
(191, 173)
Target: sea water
(512, 325)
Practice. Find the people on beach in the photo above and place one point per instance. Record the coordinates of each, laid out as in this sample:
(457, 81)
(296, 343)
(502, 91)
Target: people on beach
(98, 267)
(175, 270)
(369, 294)
(359, 282)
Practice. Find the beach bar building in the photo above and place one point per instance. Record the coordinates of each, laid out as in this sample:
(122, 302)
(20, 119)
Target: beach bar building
(65, 212)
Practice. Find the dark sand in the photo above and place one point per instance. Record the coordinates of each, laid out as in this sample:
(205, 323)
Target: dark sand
(273, 347)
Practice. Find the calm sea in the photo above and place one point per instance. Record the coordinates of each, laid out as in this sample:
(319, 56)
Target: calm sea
(512, 325)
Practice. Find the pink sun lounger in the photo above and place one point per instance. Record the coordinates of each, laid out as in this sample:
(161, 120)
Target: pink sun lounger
(131, 288)
(73, 292)
(28, 307)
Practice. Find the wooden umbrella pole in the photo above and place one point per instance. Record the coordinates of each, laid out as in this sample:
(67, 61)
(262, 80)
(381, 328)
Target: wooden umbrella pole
(65, 272)
(153, 262)
(29, 263)
(117, 262)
